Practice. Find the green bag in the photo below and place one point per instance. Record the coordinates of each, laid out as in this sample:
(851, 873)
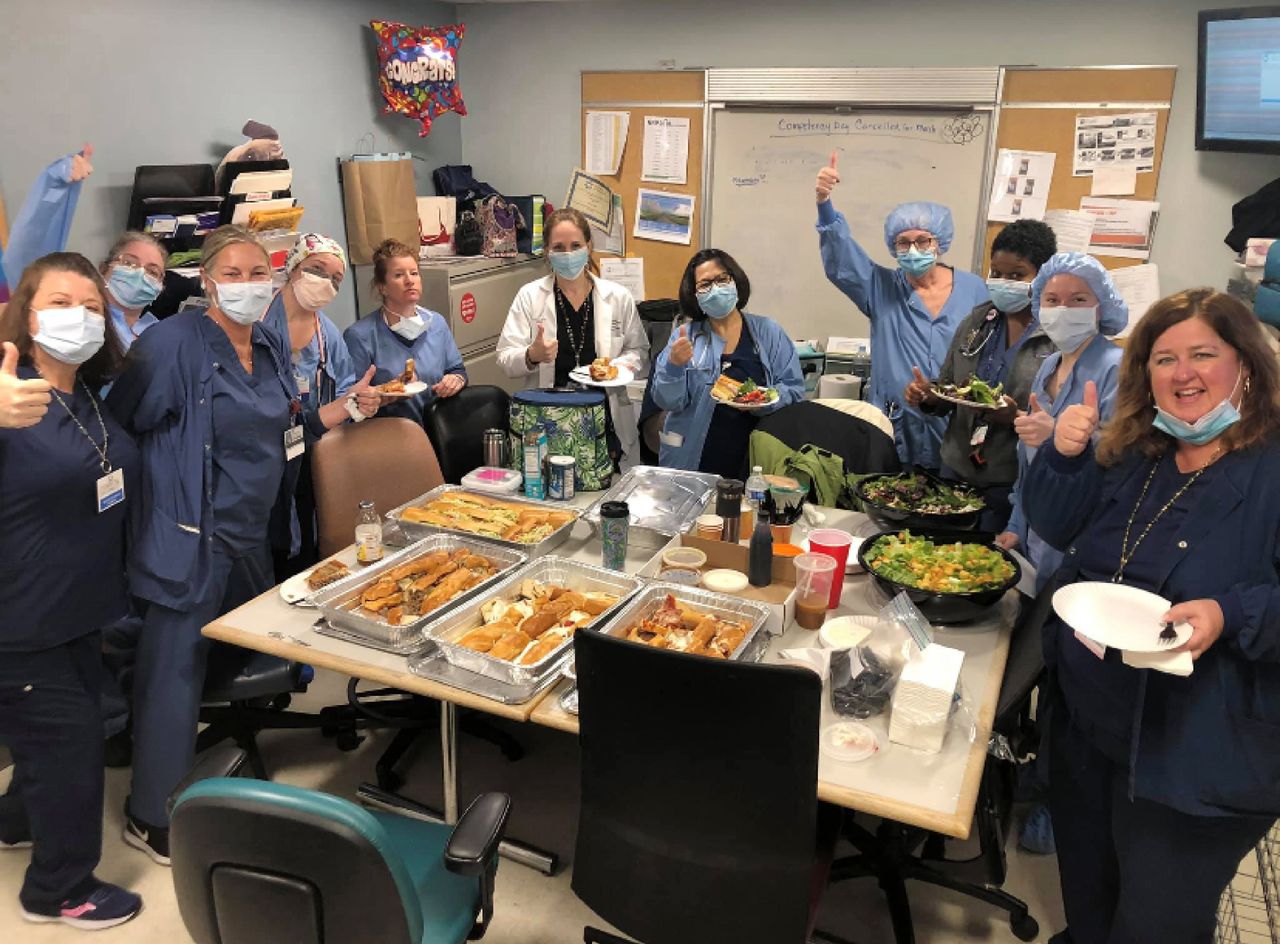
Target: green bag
(577, 424)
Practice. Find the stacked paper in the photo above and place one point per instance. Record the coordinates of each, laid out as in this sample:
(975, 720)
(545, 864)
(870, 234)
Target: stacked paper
(922, 700)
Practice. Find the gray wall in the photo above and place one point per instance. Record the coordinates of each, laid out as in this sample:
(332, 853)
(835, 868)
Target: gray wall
(173, 81)
(523, 133)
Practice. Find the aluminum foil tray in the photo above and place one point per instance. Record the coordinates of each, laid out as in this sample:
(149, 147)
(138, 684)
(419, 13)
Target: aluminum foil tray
(417, 529)
(753, 645)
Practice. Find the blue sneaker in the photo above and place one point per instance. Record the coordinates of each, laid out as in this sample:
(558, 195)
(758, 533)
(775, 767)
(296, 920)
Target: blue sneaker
(1037, 832)
(104, 906)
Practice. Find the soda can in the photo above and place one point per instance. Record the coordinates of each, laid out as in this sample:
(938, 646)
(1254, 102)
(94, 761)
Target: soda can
(562, 480)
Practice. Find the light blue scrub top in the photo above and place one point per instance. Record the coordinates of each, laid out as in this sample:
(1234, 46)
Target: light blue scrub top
(434, 354)
(124, 333)
(904, 334)
(1100, 363)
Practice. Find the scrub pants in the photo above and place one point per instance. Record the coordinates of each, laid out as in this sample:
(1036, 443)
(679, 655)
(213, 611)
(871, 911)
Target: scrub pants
(50, 721)
(119, 649)
(1134, 871)
(169, 679)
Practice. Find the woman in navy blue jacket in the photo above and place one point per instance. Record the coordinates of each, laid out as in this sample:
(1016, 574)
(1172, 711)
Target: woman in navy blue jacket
(1160, 783)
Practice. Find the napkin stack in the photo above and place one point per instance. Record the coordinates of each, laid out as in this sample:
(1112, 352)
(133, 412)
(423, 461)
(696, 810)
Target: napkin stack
(922, 699)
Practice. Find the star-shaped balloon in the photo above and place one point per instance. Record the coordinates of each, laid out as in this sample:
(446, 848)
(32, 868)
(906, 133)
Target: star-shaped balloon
(418, 70)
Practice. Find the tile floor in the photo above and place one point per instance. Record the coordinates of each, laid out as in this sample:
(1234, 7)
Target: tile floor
(531, 908)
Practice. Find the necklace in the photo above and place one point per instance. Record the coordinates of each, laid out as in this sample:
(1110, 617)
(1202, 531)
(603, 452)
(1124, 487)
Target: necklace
(576, 341)
(1127, 552)
(100, 450)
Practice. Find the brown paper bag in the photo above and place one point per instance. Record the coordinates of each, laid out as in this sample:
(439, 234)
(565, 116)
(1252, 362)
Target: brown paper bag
(381, 203)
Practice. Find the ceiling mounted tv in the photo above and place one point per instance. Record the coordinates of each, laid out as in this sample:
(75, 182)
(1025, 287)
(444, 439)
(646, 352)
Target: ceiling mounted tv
(1238, 82)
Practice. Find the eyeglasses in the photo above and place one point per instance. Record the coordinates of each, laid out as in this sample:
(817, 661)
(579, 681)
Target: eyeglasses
(922, 243)
(129, 262)
(335, 279)
(723, 280)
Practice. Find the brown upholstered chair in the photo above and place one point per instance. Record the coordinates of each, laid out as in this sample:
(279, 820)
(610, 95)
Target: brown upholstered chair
(386, 460)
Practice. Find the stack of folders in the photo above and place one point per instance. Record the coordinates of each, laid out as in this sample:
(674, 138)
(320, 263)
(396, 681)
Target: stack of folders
(923, 697)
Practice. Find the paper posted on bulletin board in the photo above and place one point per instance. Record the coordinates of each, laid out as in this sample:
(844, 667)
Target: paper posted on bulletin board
(1127, 140)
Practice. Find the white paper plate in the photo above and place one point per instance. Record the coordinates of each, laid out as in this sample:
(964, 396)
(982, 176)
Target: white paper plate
(851, 566)
(960, 401)
(295, 589)
(1121, 617)
(745, 407)
(583, 376)
(410, 390)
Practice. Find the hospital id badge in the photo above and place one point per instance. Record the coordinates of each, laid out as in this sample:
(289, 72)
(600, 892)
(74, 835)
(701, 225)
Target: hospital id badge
(303, 384)
(294, 443)
(110, 490)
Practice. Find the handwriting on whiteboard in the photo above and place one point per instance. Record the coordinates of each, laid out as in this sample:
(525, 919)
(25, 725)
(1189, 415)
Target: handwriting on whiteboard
(959, 129)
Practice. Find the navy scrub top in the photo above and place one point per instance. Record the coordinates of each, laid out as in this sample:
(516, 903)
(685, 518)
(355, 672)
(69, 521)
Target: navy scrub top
(724, 452)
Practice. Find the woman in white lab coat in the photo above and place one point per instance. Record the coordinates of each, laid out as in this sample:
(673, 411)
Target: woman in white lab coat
(571, 317)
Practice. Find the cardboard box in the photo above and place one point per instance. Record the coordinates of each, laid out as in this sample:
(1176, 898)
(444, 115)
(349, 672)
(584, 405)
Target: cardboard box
(779, 596)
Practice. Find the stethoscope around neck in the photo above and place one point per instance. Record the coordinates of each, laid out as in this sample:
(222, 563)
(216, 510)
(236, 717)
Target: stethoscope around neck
(987, 330)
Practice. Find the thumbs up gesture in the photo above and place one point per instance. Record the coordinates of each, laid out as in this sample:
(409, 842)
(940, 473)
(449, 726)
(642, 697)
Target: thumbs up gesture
(368, 400)
(1077, 423)
(828, 177)
(541, 351)
(1035, 426)
(22, 402)
(682, 347)
(919, 390)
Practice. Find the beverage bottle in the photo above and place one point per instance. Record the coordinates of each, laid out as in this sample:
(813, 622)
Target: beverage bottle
(756, 487)
(368, 534)
(760, 552)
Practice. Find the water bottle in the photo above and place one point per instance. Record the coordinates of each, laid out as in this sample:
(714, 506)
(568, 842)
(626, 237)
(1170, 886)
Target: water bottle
(756, 487)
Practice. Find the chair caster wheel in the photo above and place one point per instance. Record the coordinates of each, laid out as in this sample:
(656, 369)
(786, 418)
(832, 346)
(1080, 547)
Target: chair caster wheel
(1024, 927)
(347, 740)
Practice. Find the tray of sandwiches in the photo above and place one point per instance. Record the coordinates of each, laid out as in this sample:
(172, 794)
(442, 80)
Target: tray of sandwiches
(687, 619)
(390, 601)
(520, 632)
(523, 524)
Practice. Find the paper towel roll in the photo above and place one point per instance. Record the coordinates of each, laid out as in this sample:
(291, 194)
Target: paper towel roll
(839, 387)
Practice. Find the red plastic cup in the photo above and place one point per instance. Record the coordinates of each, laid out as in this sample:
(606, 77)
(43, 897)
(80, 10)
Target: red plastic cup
(834, 544)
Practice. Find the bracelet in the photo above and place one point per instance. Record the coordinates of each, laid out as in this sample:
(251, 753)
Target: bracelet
(529, 364)
(353, 410)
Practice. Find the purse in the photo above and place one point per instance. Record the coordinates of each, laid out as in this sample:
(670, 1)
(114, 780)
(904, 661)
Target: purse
(577, 424)
(499, 220)
(468, 236)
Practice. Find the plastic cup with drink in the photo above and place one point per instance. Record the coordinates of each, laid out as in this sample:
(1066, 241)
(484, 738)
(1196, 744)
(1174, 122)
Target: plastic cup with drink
(815, 573)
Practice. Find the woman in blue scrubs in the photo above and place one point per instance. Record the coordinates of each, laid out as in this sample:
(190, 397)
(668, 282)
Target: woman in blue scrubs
(67, 481)
(698, 433)
(402, 329)
(134, 271)
(325, 377)
(914, 308)
(211, 399)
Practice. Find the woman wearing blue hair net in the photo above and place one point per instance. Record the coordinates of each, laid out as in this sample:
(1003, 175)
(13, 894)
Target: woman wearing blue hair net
(1077, 305)
(914, 308)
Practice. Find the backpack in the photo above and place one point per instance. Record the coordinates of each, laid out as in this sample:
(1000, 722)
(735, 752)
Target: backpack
(576, 424)
(456, 180)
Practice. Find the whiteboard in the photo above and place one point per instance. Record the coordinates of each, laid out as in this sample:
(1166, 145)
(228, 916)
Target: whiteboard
(762, 209)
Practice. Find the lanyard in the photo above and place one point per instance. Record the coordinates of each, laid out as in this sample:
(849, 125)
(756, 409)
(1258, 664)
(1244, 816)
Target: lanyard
(100, 450)
(323, 359)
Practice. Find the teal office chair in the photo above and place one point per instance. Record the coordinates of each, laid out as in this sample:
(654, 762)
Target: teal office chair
(256, 862)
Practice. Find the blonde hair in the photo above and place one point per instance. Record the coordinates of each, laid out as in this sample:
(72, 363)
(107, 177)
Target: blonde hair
(224, 237)
(1130, 425)
(570, 215)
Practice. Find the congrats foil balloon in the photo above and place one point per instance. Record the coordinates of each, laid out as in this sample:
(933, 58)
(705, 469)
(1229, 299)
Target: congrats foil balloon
(418, 70)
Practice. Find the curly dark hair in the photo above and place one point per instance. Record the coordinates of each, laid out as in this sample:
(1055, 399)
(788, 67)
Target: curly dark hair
(1030, 239)
(689, 298)
(14, 325)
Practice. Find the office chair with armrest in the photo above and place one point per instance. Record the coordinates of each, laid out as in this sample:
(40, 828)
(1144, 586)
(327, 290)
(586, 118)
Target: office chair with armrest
(456, 427)
(389, 461)
(265, 863)
(890, 855)
(699, 818)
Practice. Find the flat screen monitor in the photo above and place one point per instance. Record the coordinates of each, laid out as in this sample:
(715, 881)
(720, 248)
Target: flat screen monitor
(1238, 82)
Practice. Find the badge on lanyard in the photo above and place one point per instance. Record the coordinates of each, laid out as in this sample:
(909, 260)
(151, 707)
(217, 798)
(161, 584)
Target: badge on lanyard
(110, 490)
(294, 443)
(303, 383)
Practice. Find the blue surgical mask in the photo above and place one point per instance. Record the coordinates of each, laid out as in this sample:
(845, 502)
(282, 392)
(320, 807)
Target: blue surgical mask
(1009, 295)
(1266, 303)
(132, 287)
(719, 300)
(1206, 429)
(1069, 328)
(70, 335)
(569, 265)
(915, 262)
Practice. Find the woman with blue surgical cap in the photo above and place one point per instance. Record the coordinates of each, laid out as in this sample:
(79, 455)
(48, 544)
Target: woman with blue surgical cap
(999, 343)
(1077, 305)
(325, 376)
(914, 308)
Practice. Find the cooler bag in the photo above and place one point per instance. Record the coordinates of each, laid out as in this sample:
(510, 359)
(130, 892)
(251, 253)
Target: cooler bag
(577, 425)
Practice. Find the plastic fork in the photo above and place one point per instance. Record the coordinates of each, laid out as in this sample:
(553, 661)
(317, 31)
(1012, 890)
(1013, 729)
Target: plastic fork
(1168, 635)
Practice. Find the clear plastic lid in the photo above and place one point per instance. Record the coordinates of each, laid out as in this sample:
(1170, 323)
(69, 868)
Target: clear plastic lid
(493, 479)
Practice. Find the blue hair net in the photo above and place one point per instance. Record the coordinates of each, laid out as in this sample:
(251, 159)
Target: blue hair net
(1113, 313)
(931, 217)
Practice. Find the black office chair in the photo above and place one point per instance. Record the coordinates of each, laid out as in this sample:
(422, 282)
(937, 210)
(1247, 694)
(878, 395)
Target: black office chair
(890, 854)
(455, 425)
(266, 863)
(699, 818)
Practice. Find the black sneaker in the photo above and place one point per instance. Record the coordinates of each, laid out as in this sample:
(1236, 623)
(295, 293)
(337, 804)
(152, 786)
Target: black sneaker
(103, 906)
(153, 840)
